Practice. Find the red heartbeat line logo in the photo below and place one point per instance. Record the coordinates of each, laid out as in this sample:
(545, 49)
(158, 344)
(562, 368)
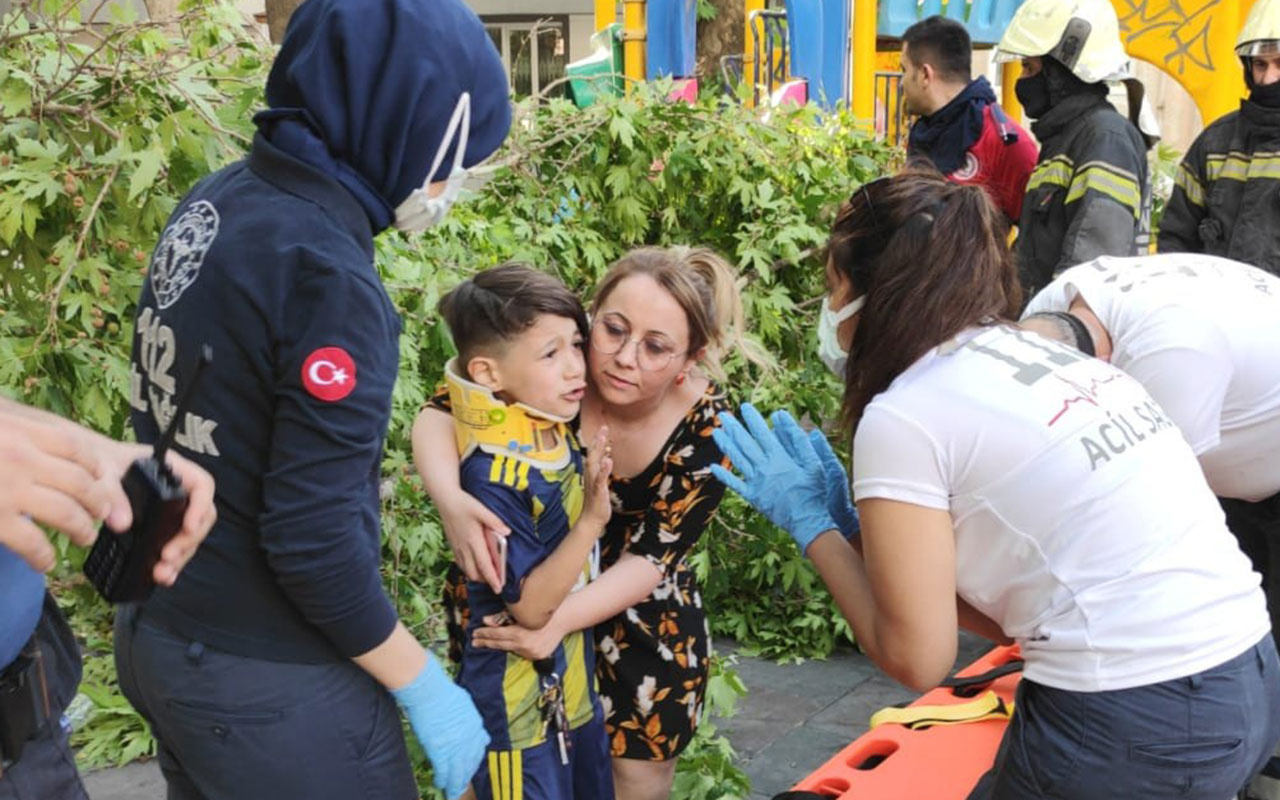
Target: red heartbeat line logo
(1084, 395)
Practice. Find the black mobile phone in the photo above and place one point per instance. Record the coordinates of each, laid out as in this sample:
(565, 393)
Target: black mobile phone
(120, 565)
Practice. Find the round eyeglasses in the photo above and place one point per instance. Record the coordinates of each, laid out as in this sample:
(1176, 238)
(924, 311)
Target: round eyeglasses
(610, 336)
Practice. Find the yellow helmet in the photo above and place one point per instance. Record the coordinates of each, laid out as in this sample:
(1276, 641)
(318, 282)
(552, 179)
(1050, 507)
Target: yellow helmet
(1083, 35)
(1260, 35)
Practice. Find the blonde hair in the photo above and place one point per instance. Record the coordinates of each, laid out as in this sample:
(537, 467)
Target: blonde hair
(705, 286)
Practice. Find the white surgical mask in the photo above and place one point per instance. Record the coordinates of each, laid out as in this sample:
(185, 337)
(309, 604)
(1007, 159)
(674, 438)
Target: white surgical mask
(829, 349)
(420, 210)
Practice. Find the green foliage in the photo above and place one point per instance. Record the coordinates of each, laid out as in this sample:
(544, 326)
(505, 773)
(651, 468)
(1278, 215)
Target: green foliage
(707, 769)
(707, 10)
(1162, 163)
(762, 593)
(102, 130)
(116, 735)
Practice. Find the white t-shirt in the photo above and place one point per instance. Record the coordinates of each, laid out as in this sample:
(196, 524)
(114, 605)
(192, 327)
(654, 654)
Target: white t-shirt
(1083, 523)
(1202, 334)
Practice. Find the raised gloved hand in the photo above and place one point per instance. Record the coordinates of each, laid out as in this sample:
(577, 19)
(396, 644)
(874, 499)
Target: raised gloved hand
(839, 501)
(786, 484)
(447, 725)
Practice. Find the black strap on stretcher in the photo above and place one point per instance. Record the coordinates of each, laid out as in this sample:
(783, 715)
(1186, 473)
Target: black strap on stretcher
(971, 685)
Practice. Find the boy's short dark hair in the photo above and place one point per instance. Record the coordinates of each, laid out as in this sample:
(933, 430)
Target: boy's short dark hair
(496, 305)
(942, 43)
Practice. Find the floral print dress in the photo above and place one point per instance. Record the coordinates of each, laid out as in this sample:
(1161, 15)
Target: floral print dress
(652, 658)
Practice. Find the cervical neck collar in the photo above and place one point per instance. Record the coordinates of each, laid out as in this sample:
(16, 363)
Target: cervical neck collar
(514, 430)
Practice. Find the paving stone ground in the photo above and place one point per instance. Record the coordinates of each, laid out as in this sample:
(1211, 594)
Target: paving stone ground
(794, 718)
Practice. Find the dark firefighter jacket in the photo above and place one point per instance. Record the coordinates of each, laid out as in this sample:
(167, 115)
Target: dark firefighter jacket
(1226, 195)
(1088, 195)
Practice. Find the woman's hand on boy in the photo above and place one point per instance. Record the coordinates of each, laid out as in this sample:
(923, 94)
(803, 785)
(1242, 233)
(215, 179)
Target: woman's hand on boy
(597, 507)
(471, 529)
(524, 642)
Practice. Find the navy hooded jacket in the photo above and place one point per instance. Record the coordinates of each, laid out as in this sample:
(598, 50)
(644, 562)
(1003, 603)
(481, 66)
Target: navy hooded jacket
(270, 263)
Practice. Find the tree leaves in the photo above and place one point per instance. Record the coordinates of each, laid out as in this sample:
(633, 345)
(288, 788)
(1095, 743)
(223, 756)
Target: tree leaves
(149, 161)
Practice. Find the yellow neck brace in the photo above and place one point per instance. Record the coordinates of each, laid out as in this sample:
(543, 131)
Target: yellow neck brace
(509, 429)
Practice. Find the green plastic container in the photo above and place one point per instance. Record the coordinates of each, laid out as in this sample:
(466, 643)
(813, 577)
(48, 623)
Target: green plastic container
(599, 74)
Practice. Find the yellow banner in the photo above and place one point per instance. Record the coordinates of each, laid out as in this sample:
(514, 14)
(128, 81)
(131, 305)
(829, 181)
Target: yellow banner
(1193, 41)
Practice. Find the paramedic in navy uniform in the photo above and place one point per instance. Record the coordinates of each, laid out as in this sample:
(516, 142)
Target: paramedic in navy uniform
(1010, 485)
(265, 672)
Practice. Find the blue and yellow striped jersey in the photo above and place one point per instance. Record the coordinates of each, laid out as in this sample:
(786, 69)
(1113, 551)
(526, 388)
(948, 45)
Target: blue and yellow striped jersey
(539, 506)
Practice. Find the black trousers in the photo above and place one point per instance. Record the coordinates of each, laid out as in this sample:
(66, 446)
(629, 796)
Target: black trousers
(230, 727)
(1198, 737)
(47, 768)
(1257, 527)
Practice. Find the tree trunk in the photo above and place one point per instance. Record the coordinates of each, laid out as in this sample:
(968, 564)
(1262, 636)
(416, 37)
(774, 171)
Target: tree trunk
(278, 13)
(718, 37)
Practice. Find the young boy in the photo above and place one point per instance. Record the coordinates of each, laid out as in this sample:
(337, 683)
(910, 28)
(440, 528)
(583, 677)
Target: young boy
(514, 388)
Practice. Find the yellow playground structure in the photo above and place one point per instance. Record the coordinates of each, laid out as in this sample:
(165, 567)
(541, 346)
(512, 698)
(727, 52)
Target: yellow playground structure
(836, 48)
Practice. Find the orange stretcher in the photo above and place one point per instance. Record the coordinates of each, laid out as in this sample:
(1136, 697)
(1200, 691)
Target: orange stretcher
(922, 750)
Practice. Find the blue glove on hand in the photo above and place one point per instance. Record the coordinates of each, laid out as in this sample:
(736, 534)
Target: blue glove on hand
(447, 725)
(786, 484)
(839, 502)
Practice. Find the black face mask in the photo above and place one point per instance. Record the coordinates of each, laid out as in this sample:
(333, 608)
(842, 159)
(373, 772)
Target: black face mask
(1033, 93)
(1266, 96)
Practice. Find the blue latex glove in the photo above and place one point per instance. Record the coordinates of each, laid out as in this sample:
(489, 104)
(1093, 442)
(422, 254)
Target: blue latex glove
(805, 447)
(447, 725)
(791, 490)
(839, 501)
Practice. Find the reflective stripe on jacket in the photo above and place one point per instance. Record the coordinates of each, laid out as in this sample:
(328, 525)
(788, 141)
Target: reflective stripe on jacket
(1226, 195)
(1088, 195)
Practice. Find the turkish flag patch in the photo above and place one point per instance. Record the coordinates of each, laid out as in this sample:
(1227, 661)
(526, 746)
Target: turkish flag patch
(329, 374)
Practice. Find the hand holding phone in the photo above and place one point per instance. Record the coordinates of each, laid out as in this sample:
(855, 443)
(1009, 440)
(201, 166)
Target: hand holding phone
(498, 546)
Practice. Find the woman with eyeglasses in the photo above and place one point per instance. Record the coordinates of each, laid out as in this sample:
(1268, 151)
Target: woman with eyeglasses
(1021, 490)
(661, 319)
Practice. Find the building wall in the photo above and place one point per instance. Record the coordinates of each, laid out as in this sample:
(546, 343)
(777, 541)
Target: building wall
(1178, 114)
(581, 15)
(581, 27)
(483, 7)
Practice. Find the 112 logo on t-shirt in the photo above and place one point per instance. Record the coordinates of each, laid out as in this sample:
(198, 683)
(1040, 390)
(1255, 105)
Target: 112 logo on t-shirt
(1128, 423)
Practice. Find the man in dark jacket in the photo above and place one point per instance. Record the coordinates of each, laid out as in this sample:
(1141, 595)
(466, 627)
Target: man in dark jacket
(1226, 196)
(1088, 196)
(961, 128)
(268, 672)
